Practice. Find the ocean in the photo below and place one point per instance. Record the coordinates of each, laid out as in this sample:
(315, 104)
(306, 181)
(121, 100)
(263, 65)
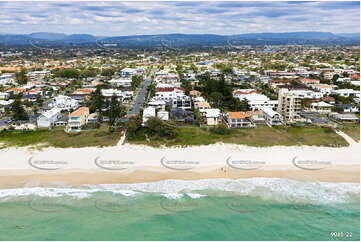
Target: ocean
(212, 209)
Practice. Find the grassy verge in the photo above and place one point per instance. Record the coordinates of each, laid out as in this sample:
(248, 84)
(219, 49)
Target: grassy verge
(352, 130)
(58, 138)
(259, 137)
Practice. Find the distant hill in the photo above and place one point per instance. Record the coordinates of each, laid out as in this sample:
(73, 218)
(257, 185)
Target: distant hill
(180, 40)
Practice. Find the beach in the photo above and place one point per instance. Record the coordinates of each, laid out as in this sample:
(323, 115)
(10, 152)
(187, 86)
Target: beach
(133, 164)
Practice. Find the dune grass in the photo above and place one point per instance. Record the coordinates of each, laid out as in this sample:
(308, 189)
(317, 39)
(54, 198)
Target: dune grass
(58, 138)
(260, 137)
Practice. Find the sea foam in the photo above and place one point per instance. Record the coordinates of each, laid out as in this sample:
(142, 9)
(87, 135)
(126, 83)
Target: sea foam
(282, 190)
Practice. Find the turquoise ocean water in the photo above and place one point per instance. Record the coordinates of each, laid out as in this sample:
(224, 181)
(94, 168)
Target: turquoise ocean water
(214, 209)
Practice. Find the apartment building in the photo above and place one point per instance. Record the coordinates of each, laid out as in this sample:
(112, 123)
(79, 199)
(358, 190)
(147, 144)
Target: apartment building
(289, 105)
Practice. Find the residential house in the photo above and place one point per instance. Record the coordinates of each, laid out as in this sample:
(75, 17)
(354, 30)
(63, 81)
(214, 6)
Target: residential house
(239, 120)
(64, 103)
(321, 107)
(212, 116)
(346, 93)
(344, 118)
(48, 119)
(272, 117)
(148, 112)
(123, 82)
(77, 119)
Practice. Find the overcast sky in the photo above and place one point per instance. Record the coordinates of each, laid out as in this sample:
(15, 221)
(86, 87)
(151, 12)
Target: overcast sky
(133, 18)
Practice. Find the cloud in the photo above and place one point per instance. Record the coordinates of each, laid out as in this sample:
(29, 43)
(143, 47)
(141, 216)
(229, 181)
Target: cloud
(133, 18)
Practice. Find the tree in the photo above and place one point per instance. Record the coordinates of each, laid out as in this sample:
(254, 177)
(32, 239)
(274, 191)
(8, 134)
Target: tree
(115, 110)
(18, 111)
(97, 101)
(109, 72)
(21, 77)
(67, 73)
(133, 124)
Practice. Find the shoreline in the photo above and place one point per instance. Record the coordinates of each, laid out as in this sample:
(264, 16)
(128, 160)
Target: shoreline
(135, 163)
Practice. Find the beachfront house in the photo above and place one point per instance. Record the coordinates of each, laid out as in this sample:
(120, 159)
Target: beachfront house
(321, 107)
(48, 119)
(239, 120)
(147, 114)
(213, 116)
(271, 117)
(77, 119)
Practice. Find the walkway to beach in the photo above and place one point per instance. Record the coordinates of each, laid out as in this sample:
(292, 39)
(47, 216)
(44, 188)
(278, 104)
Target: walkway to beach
(122, 139)
(350, 140)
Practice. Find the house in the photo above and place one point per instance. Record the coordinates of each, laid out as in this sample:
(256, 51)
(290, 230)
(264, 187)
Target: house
(129, 72)
(64, 103)
(183, 102)
(84, 92)
(194, 93)
(324, 88)
(321, 107)
(77, 119)
(272, 117)
(239, 120)
(48, 119)
(308, 82)
(202, 106)
(92, 118)
(148, 112)
(15, 91)
(158, 104)
(344, 118)
(213, 116)
(257, 116)
(346, 93)
(123, 82)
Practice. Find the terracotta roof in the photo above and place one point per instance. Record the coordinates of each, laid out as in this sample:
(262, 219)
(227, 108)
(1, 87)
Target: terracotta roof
(84, 90)
(240, 92)
(79, 112)
(16, 89)
(309, 80)
(202, 104)
(238, 115)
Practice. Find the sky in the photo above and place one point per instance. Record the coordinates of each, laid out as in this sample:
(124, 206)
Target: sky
(151, 17)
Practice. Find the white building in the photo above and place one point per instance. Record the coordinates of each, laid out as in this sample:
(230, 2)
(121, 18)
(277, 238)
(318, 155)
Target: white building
(48, 119)
(321, 107)
(64, 103)
(271, 117)
(346, 92)
(213, 116)
(148, 112)
(124, 82)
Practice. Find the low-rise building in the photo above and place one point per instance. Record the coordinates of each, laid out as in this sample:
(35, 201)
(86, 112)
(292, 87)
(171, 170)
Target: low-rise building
(212, 116)
(77, 119)
(271, 117)
(148, 112)
(48, 119)
(321, 107)
(239, 120)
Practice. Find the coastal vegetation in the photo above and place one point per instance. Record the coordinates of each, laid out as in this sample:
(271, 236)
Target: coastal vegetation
(262, 136)
(58, 138)
(352, 130)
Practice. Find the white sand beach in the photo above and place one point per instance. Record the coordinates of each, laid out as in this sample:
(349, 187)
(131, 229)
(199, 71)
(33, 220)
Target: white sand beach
(135, 163)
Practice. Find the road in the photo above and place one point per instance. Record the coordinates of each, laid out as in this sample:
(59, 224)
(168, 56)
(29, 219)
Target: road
(140, 98)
